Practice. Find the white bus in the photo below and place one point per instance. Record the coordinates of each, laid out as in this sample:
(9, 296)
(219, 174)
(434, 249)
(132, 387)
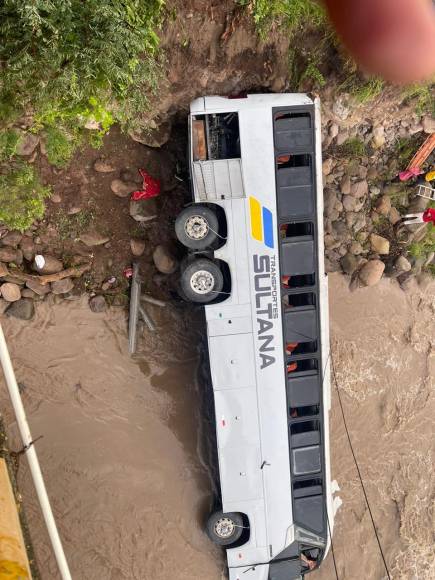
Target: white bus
(255, 237)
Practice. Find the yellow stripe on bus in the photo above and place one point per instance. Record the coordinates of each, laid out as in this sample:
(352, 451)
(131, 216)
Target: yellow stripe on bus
(256, 221)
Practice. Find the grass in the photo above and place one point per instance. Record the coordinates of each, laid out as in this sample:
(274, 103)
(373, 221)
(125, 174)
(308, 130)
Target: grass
(71, 226)
(352, 147)
(291, 14)
(424, 97)
(406, 147)
(424, 248)
(21, 197)
(9, 141)
(362, 90)
(60, 145)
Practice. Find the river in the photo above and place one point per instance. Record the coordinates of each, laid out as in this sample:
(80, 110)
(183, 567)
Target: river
(126, 443)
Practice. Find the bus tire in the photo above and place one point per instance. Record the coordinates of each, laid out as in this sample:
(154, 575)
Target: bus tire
(196, 227)
(201, 280)
(225, 529)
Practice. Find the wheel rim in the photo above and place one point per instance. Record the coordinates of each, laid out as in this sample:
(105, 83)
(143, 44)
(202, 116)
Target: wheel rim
(202, 282)
(196, 227)
(224, 528)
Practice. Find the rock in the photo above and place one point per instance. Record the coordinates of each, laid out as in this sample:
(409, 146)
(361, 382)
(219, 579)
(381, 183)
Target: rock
(97, 303)
(62, 286)
(415, 128)
(378, 137)
(3, 270)
(164, 261)
(27, 293)
(379, 244)
(46, 264)
(360, 222)
(349, 263)
(74, 209)
(27, 144)
(55, 198)
(154, 138)
(10, 292)
(394, 216)
(342, 137)
(428, 123)
(91, 239)
(359, 188)
(345, 185)
(121, 188)
(38, 288)
(137, 246)
(10, 255)
(333, 130)
(371, 272)
(372, 173)
(349, 203)
(27, 246)
(363, 172)
(418, 204)
(383, 205)
(11, 239)
(24, 309)
(131, 175)
(402, 265)
(340, 109)
(407, 281)
(330, 242)
(143, 210)
(103, 166)
(356, 248)
(327, 166)
(332, 266)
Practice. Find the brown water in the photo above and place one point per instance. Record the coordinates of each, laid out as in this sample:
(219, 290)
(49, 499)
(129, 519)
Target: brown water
(124, 451)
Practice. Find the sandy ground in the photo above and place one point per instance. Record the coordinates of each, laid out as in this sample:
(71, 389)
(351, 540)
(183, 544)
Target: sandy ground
(123, 446)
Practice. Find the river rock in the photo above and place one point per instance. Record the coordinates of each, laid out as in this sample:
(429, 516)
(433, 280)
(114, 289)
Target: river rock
(379, 244)
(349, 263)
(378, 137)
(333, 130)
(8, 255)
(98, 303)
(371, 272)
(156, 137)
(62, 286)
(131, 175)
(143, 210)
(340, 109)
(27, 144)
(383, 205)
(137, 246)
(91, 239)
(27, 246)
(103, 166)
(359, 188)
(372, 173)
(27, 293)
(164, 261)
(122, 188)
(3, 270)
(428, 123)
(10, 292)
(327, 166)
(38, 288)
(402, 265)
(349, 203)
(394, 216)
(24, 309)
(345, 185)
(46, 264)
(55, 198)
(11, 239)
(356, 248)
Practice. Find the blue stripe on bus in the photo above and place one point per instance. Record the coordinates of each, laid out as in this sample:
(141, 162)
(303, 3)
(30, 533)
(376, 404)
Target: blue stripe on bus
(268, 227)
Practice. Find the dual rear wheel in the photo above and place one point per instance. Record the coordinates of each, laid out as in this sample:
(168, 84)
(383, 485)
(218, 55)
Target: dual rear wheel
(225, 529)
(197, 228)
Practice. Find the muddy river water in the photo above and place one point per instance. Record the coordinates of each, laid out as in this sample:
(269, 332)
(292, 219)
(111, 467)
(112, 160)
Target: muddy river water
(124, 447)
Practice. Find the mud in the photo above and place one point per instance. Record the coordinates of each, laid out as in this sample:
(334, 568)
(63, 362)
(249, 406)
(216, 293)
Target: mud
(125, 446)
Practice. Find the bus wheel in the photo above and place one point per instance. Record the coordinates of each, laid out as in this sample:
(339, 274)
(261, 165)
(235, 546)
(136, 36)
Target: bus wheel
(225, 529)
(201, 280)
(196, 227)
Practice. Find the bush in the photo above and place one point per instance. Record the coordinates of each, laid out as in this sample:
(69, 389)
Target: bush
(290, 13)
(21, 197)
(9, 141)
(352, 147)
(60, 145)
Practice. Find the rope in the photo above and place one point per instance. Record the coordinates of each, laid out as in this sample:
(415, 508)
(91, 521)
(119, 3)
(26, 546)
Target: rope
(332, 547)
(358, 469)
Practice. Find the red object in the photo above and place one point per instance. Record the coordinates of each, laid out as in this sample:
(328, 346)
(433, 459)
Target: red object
(128, 272)
(429, 215)
(413, 172)
(150, 187)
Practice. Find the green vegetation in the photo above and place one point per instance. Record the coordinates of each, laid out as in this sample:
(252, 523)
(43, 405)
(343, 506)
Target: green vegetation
(352, 147)
(424, 248)
(9, 141)
(21, 197)
(362, 90)
(424, 96)
(71, 226)
(290, 13)
(406, 147)
(313, 74)
(60, 145)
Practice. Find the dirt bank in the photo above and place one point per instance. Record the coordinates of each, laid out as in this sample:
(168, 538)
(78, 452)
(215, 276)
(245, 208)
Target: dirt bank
(123, 449)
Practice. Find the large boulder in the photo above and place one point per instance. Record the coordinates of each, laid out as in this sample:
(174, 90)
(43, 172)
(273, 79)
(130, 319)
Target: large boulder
(371, 272)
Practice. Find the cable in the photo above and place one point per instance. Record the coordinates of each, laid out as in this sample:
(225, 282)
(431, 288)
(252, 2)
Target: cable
(332, 546)
(357, 467)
